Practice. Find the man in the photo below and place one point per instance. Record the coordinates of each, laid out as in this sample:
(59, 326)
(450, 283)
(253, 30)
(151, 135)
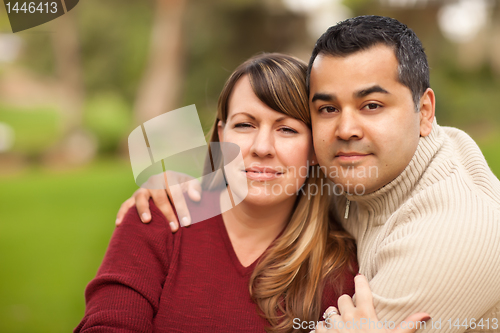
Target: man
(419, 198)
(428, 217)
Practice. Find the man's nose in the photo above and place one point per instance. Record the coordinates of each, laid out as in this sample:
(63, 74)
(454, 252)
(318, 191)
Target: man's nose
(348, 126)
(263, 143)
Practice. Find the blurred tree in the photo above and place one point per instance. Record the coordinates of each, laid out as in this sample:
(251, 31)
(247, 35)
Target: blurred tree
(159, 89)
(77, 145)
(221, 34)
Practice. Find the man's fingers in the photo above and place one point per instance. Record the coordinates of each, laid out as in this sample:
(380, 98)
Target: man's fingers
(412, 323)
(161, 200)
(345, 304)
(141, 197)
(364, 298)
(194, 190)
(123, 210)
(180, 205)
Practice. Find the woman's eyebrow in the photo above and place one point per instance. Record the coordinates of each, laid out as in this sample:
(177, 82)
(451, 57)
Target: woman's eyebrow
(281, 119)
(243, 113)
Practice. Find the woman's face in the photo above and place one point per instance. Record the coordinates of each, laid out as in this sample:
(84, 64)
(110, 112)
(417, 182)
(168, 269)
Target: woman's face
(277, 150)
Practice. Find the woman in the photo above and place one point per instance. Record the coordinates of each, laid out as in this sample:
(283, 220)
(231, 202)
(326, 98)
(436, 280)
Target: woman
(273, 262)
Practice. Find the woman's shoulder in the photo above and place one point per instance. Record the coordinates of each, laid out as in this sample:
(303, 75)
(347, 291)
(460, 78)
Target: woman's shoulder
(155, 235)
(207, 208)
(158, 220)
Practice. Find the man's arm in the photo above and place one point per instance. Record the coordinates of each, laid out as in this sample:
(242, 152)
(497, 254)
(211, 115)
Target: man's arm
(162, 199)
(447, 265)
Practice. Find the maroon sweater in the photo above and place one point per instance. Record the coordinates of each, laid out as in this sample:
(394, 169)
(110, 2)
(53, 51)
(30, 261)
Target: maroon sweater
(190, 281)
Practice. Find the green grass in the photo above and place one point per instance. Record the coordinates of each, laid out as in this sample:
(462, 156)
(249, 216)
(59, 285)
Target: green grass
(53, 233)
(34, 129)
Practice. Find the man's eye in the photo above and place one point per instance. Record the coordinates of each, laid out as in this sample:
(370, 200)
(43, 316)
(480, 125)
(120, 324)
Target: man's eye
(328, 109)
(372, 106)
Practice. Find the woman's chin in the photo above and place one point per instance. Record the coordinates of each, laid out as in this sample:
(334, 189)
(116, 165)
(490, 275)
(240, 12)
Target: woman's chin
(265, 198)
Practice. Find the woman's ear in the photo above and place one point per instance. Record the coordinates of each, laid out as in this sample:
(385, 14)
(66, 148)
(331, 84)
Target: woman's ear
(427, 111)
(220, 130)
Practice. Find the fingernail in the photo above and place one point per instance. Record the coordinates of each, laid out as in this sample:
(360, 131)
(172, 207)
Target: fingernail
(185, 221)
(173, 226)
(426, 318)
(144, 217)
(118, 221)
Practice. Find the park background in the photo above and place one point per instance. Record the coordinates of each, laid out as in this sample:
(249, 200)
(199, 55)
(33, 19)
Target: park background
(72, 90)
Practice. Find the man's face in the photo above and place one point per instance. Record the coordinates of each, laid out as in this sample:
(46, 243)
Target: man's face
(365, 128)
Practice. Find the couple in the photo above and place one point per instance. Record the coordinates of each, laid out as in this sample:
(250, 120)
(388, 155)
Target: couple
(426, 222)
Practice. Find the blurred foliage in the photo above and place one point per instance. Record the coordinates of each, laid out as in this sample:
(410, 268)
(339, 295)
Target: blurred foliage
(115, 38)
(108, 116)
(224, 35)
(358, 5)
(36, 129)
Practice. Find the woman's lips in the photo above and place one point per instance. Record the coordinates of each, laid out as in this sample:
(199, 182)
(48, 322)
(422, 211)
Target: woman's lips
(262, 175)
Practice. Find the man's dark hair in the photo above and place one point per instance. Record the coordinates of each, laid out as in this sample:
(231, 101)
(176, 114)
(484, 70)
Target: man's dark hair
(362, 32)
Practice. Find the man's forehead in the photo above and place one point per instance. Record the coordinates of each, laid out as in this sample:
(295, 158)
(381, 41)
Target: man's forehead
(375, 51)
(377, 61)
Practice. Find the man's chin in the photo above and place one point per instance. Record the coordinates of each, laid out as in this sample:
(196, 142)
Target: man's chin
(351, 186)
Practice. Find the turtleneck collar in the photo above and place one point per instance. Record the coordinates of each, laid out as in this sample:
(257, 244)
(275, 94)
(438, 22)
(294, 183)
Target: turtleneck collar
(390, 197)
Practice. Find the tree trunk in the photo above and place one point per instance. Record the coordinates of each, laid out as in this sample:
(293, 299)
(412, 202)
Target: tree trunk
(160, 87)
(77, 146)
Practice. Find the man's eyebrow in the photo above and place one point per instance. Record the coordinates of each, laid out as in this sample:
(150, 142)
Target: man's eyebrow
(244, 114)
(324, 97)
(365, 92)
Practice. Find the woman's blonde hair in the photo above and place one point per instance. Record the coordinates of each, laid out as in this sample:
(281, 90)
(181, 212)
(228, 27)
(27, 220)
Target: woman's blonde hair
(288, 280)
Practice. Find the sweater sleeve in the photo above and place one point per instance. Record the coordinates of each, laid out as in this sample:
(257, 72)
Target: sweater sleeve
(446, 264)
(124, 296)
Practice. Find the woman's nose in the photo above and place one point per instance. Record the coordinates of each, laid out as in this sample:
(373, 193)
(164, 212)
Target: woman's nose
(263, 144)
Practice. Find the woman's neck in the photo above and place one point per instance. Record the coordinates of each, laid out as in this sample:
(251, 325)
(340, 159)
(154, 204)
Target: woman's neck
(252, 228)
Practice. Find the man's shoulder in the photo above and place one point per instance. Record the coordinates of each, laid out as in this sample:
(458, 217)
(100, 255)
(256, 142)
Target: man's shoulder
(459, 174)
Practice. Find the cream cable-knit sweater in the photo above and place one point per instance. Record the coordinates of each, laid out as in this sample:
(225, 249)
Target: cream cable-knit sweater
(430, 240)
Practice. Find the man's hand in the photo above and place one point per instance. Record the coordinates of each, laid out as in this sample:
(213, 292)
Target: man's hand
(163, 200)
(361, 318)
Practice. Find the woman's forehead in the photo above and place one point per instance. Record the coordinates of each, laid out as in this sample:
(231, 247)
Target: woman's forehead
(244, 102)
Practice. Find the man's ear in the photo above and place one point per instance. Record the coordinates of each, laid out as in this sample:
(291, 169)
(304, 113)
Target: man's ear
(427, 111)
(220, 130)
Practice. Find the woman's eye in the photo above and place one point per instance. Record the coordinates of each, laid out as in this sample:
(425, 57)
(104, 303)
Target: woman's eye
(242, 125)
(372, 106)
(328, 109)
(288, 130)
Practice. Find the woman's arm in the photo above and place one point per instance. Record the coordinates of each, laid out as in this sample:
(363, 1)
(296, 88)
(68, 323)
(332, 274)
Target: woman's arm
(124, 296)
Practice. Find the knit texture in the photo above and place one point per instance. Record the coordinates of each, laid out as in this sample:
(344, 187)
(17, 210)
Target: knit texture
(430, 240)
(192, 281)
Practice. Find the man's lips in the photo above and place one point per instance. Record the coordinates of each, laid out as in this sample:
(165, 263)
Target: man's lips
(350, 156)
(262, 173)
